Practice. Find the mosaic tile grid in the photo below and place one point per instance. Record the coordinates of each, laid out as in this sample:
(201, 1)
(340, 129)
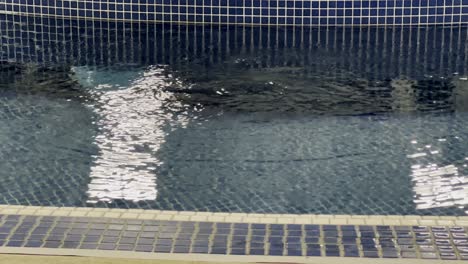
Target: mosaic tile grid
(254, 12)
(426, 242)
(55, 41)
(388, 51)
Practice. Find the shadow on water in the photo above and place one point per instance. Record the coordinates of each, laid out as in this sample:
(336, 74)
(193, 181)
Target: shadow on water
(46, 134)
(251, 119)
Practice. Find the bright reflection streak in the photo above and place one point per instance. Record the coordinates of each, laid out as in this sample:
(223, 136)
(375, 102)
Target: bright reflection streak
(130, 123)
(436, 185)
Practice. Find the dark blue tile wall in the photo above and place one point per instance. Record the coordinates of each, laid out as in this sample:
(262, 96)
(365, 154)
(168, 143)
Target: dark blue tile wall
(253, 12)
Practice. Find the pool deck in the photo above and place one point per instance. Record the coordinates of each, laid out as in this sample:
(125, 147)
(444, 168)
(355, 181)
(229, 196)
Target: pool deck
(230, 237)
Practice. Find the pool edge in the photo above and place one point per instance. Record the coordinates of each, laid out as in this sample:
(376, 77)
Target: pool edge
(142, 214)
(195, 258)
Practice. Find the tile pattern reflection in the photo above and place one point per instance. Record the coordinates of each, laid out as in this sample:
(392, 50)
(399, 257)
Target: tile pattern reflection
(424, 242)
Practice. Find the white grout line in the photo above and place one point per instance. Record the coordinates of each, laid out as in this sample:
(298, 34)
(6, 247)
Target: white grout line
(394, 220)
(444, 24)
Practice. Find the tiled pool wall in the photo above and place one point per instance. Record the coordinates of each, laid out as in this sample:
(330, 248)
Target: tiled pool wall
(252, 12)
(401, 51)
(412, 52)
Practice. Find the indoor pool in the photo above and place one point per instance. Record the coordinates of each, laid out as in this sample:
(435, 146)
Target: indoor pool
(229, 119)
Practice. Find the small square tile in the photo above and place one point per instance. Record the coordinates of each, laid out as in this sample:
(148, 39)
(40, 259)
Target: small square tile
(241, 226)
(449, 249)
(258, 226)
(52, 244)
(294, 239)
(276, 227)
(91, 239)
(409, 255)
(166, 242)
(181, 249)
(125, 247)
(449, 256)
(257, 251)
(420, 228)
(371, 254)
(73, 238)
(389, 254)
(328, 233)
(408, 248)
(112, 233)
(237, 251)
(88, 246)
(107, 246)
(424, 241)
(98, 226)
(422, 235)
(294, 252)
(293, 227)
(127, 240)
(70, 244)
(428, 255)
(144, 235)
(18, 237)
(460, 242)
(460, 235)
(443, 242)
(439, 229)
(223, 231)
(95, 232)
(427, 248)
(77, 231)
(311, 240)
(456, 229)
(107, 239)
(330, 240)
(133, 228)
(313, 252)
(162, 249)
(146, 248)
(33, 243)
(14, 243)
(351, 254)
(332, 253)
(200, 250)
(223, 225)
(256, 245)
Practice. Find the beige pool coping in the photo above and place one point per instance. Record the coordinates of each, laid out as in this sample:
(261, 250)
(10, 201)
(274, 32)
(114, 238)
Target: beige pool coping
(141, 214)
(9, 255)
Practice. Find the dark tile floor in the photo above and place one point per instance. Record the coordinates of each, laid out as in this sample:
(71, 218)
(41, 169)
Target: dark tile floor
(427, 242)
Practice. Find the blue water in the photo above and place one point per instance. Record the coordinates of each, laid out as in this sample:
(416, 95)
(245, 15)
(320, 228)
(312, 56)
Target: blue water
(335, 121)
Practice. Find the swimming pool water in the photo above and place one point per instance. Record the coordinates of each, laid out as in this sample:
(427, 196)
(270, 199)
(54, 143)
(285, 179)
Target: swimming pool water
(335, 121)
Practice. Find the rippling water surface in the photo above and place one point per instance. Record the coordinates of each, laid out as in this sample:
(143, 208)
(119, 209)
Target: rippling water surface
(336, 121)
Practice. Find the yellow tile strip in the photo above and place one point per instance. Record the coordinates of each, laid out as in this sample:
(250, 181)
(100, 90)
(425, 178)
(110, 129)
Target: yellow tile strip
(214, 258)
(395, 220)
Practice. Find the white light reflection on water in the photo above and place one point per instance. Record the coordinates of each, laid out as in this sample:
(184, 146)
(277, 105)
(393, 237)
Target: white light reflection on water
(438, 180)
(437, 185)
(130, 122)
